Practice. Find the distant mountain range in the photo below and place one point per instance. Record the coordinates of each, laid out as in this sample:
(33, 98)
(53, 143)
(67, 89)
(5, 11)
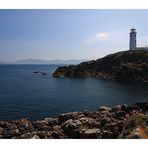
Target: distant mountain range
(38, 61)
(2, 62)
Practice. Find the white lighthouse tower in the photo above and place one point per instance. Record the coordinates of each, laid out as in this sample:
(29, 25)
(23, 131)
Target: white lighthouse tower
(133, 43)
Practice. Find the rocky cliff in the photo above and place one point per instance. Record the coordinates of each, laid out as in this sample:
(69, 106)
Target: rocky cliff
(122, 66)
(120, 121)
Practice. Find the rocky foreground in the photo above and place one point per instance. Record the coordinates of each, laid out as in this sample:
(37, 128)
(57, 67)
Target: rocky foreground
(128, 66)
(120, 121)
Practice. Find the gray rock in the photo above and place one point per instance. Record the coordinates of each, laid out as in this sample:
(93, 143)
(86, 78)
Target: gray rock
(42, 125)
(106, 134)
(51, 121)
(120, 114)
(124, 107)
(88, 121)
(44, 134)
(26, 136)
(15, 131)
(71, 125)
(91, 134)
(66, 116)
(104, 120)
(25, 122)
(2, 123)
(1, 136)
(112, 126)
(135, 135)
(56, 135)
(1, 130)
(104, 108)
(73, 128)
(10, 133)
(116, 108)
(35, 137)
(24, 125)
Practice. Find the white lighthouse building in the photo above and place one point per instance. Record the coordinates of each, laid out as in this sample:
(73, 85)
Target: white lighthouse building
(133, 42)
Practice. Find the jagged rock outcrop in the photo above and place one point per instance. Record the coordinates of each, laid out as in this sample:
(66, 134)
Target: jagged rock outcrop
(120, 121)
(121, 66)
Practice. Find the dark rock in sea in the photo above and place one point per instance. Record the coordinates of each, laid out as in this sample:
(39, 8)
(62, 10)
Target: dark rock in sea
(40, 72)
(124, 66)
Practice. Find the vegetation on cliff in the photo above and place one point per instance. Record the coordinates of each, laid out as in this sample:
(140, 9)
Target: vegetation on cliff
(129, 65)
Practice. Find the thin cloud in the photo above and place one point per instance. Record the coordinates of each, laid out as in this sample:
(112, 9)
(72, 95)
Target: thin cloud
(102, 36)
(96, 38)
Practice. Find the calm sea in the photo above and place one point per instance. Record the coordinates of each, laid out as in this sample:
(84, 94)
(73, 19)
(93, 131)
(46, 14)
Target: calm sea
(24, 94)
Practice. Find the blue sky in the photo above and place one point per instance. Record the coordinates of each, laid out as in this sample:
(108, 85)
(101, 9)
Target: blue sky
(68, 34)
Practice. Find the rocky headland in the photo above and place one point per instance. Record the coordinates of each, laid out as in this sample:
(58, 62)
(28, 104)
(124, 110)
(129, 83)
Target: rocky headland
(121, 121)
(129, 65)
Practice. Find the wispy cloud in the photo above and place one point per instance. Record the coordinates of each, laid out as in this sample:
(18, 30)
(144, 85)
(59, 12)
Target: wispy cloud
(102, 36)
(96, 38)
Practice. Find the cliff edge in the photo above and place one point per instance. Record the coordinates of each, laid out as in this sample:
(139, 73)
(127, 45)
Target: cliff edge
(129, 65)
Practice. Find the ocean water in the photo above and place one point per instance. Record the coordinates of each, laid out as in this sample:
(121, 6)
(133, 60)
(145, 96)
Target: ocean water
(24, 94)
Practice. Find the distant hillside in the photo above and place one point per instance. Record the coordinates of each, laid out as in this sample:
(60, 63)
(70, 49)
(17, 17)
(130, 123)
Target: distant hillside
(38, 61)
(123, 66)
(2, 62)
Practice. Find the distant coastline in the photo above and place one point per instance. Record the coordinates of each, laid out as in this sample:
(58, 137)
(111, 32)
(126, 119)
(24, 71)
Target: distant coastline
(38, 61)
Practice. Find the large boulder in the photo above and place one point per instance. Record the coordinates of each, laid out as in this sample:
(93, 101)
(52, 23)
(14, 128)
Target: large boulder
(1, 130)
(52, 121)
(106, 134)
(73, 127)
(91, 134)
(104, 108)
(66, 116)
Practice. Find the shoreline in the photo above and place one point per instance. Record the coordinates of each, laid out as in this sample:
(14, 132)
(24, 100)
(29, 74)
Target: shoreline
(121, 121)
(129, 66)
